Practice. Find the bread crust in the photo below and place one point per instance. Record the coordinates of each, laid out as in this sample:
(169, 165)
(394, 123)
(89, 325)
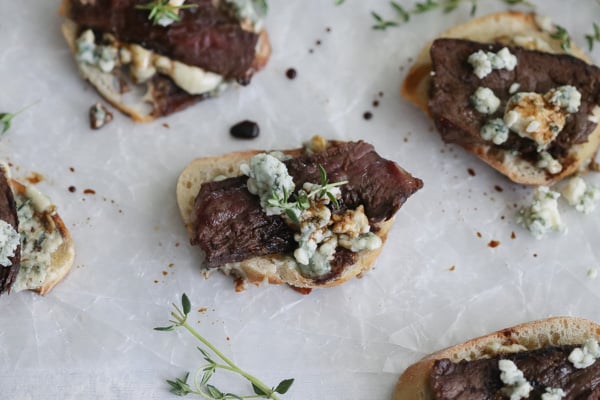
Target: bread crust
(62, 258)
(502, 27)
(556, 331)
(108, 84)
(275, 268)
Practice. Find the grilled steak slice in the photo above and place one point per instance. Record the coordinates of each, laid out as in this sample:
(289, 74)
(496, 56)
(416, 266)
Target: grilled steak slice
(208, 36)
(454, 82)
(543, 368)
(8, 213)
(231, 226)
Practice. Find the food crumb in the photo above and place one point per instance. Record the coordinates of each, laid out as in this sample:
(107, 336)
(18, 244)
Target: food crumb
(72, 189)
(328, 29)
(318, 42)
(493, 244)
(592, 273)
(171, 265)
(166, 125)
(245, 130)
(535, 255)
(177, 244)
(471, 171)
(513, 235)
(89, 191)
(99, 116)
(155, 281)
(498, 188)
(375, 103)
(368, 115)
(165, 273)
(452, 268)
(34, 178)
(72, 169)
(479, 234)
(202, 310)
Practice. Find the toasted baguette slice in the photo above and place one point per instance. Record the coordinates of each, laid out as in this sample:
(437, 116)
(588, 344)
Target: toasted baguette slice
(273, 269)
(61, 258)
(557, 331)
(154, 98)
(503, 28)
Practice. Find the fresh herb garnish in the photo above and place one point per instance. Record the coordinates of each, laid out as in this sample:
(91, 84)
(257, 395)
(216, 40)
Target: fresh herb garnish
(565, 39)
(380, 23)
(215, 361)
(292, 209)
(595, 37)
(162, 9)
(6, 118)
(338, 2)
(422, 7)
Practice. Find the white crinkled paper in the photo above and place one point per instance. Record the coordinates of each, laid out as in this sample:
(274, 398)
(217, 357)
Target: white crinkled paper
(437, 282)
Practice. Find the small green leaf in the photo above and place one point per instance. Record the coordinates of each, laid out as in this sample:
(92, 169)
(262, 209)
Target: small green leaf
(214, 392)
(206, 376)
(180, 387)
(323, 175)
(185, 303)
(292, 215)
(284, 386)
(333, 200)
(206, 355)
(165, 328)
(401, 11)
(259, 391)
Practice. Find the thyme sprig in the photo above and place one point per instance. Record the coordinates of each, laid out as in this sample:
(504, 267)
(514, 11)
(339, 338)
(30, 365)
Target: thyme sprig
(422, 7)
(6, 118)
(595, 37)
(292, 209)
(215, 360)
(565, 39)
(162, 9)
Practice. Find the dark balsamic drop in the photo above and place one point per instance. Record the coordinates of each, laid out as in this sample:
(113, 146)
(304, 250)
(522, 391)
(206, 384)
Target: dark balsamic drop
(291, 73)
(245, 130)
(368, 115)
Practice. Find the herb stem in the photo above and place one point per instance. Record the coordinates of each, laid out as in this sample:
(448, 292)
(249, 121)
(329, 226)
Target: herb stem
(230, 365)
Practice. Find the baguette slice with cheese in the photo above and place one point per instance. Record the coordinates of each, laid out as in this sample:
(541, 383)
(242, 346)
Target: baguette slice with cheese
(273, 268)
(557, 331)
(46, 250)
(163, 84)
(530, 32)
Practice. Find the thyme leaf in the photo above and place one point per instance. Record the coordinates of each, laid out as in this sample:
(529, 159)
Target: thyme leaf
(216, 360)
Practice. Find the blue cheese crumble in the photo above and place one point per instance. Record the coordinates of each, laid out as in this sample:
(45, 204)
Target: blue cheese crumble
(553, 394)
(103, 57)
(586, 355)
(565, 97)
(268, 178)
(580, 195)
(483, 62)
(516, 387)
(549, 163)
(485, 101)
(9, 241)
(495, 130)
(542, 215)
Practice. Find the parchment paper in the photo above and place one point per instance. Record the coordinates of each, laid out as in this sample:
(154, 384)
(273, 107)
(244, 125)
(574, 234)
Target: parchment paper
(436, 283)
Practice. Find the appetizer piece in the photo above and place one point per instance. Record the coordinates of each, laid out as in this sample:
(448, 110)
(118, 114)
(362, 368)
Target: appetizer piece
(504, 88)
(310, 217)
(551, 359)
(153, 59)
(36, 249)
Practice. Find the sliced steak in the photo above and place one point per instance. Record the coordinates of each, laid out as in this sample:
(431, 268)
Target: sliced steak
(543, 368)
(8, 213)
(208, 36)
(231, 226)
(454, 82)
